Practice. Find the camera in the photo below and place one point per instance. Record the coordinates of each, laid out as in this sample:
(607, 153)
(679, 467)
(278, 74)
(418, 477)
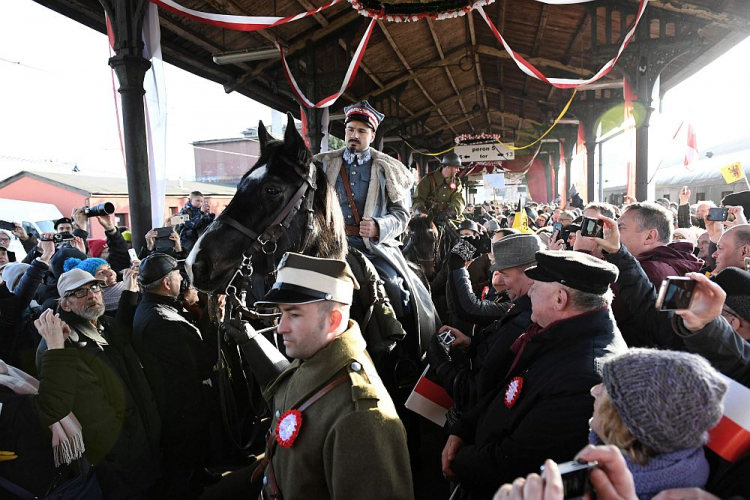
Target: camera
(575, 478)
(593, 228)
(446, 337)
(99, 210)
(7, 225)
(676, 292)
(178, 219)
(60, 237)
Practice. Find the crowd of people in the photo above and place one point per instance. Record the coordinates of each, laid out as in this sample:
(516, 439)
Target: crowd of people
(557, 344)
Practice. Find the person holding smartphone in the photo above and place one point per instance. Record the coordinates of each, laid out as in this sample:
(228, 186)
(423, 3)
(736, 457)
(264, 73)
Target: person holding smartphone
(199, 211)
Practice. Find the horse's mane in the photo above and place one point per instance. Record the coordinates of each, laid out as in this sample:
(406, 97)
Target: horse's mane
(329, 239)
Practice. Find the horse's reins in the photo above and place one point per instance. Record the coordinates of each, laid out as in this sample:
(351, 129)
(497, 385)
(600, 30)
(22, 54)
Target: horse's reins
(267, 242)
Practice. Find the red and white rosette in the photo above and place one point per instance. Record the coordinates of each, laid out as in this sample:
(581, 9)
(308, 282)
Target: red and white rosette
(287, 428)
(513, 391)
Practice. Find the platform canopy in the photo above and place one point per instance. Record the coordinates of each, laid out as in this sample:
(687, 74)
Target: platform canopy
(436, 79)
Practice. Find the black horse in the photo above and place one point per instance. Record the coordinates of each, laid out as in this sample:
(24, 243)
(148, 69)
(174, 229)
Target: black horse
(423, 245)
(283, 204)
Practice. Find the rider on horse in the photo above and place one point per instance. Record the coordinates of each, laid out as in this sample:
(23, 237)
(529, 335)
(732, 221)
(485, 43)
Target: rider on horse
(440, 193)
(373, 190)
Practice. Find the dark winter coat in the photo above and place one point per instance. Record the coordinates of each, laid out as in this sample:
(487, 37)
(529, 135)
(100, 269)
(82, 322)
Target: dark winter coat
(549, 418)
(191, 230)
(115, 406)
(675, 259)
(18, 337)
(488, 351)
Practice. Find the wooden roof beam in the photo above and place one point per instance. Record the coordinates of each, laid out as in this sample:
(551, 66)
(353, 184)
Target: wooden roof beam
(406, 65)
(439, 48)
(537, 41)
(478, 66)
(722, 20)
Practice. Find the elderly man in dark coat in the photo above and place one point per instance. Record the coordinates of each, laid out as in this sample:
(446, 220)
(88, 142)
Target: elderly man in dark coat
(178, 365)
(542, 406)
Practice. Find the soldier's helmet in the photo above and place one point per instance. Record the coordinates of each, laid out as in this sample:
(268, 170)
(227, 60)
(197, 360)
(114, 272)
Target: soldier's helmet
(451, 159)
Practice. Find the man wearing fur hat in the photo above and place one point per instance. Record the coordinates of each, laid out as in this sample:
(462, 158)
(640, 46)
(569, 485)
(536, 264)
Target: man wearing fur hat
(374, 193)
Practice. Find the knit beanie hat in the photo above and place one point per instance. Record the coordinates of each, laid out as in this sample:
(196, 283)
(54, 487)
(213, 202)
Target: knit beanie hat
(96, 247)
(12, 274)
(88, 265)
(57, 263)
(668, 400)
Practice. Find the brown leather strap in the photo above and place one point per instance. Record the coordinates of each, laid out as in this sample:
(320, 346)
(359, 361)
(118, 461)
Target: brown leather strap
(325, 390)
(274, 493)
(351, 230)
(345, 180)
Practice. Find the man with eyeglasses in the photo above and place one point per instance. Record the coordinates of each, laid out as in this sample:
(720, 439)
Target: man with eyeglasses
(112, 400)
(178, 362)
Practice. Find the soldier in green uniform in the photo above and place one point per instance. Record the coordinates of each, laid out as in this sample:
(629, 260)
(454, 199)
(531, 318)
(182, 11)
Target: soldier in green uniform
(440, 193)
(335, 432)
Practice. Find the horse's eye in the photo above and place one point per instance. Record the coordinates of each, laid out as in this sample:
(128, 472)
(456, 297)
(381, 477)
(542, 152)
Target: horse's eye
(273, 191)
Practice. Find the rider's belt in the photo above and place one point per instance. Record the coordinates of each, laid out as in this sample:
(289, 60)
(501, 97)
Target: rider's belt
(440, 206)
(351, 230)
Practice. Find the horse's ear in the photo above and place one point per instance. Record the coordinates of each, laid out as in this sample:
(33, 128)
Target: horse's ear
(291, 136)
(262, 136)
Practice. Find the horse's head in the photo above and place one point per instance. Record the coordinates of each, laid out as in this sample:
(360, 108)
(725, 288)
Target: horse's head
(423, 238)
(270, 191)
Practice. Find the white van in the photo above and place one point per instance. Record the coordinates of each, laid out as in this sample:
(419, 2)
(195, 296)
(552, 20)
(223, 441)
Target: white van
(36, 218)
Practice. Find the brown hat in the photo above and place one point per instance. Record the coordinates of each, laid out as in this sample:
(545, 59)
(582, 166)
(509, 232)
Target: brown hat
(302, 280)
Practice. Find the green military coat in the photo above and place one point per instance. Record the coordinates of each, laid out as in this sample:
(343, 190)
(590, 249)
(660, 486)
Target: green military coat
(434, 194)
(351, 443)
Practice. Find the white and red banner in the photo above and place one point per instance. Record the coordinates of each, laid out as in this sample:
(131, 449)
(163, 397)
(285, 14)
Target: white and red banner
(348, 79)
(686, 133)
(238, 23)
(730, 439)
(429, 399)
(564, 83)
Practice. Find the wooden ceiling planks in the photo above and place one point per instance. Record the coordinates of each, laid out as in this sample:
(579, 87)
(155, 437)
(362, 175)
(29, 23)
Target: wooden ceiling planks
(448, 67)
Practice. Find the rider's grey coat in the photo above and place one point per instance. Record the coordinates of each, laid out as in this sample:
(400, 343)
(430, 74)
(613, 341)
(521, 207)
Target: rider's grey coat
(388, 203)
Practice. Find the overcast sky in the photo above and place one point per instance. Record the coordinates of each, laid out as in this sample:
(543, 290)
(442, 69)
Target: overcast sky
(57, 106)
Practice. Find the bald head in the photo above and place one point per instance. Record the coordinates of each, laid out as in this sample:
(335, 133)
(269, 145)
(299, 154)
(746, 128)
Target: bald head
(732, 248)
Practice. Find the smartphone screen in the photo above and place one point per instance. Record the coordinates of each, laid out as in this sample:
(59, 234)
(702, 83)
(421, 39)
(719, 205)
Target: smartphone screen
(676, 292)
(133, 255)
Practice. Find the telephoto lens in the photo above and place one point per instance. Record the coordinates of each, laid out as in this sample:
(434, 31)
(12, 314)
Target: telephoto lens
(105, 208)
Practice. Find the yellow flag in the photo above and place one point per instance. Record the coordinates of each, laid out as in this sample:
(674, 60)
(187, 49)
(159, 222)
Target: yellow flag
(521, 220)
(732, 172)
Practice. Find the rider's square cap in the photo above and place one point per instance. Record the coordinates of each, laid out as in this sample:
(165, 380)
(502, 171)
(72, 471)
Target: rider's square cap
(302, 280)
(365, 113)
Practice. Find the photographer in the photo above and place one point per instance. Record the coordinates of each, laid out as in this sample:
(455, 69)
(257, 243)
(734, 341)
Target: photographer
(199, 211)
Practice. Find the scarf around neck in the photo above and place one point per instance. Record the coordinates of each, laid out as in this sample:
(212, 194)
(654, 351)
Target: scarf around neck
(67, 434)
(678, 469)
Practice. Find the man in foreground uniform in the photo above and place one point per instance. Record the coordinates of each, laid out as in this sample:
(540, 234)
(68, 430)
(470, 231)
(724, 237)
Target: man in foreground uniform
(335, 432)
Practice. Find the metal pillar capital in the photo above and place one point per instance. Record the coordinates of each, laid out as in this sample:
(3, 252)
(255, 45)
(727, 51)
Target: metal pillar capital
(130, 71)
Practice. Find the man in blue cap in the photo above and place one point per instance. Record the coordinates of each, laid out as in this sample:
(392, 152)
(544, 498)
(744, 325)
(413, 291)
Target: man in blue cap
(374, 193)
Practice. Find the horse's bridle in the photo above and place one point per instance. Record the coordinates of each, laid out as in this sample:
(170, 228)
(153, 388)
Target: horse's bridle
(267, 240)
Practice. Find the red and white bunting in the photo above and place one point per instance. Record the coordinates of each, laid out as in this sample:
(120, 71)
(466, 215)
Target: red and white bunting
(564, 83)
(730, 439)
(239, 23)
(348, 79)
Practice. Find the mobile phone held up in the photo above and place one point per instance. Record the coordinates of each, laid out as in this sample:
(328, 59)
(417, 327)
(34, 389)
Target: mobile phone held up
(718, 214)
(593, 228)
(557, 228)
(447, 337)
(575, 478)
(676, 293)
(8, 226)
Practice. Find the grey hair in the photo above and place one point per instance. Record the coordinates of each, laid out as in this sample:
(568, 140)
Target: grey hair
(585, 301)
(652, 216)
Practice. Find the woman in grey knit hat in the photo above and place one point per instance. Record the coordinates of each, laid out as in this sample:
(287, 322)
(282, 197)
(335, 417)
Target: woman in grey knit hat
(657, 407)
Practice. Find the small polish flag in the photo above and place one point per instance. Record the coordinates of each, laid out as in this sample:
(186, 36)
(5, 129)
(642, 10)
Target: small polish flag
(429, 399)
(730, 438)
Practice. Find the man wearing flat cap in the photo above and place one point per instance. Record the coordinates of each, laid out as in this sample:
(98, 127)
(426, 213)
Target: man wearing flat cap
(335, 432)
(440, 193)
(542, 405)
(178, 362)
(374, 192)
